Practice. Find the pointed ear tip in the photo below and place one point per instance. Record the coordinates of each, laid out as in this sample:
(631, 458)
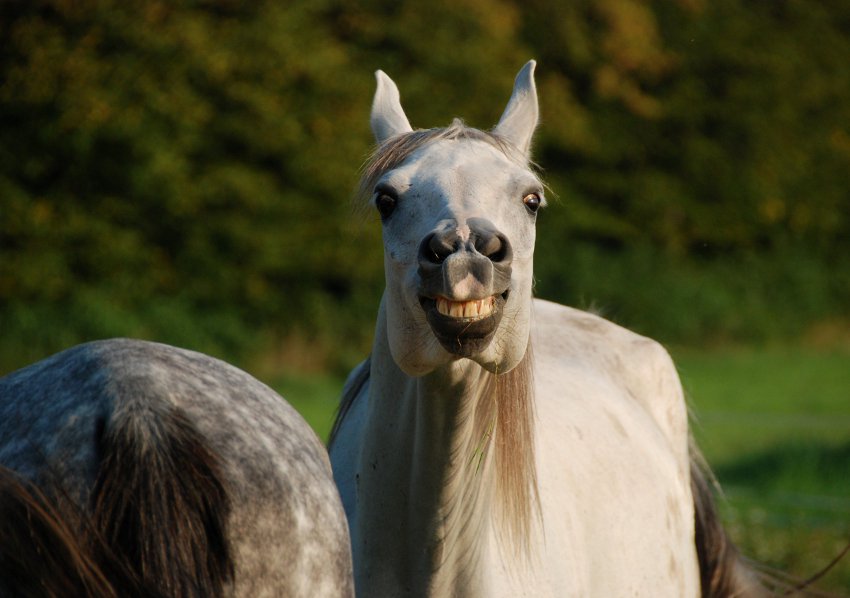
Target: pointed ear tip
(384, 84)
(525, 76)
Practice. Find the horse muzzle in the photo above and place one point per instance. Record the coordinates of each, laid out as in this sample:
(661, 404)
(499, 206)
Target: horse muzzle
(465, 274)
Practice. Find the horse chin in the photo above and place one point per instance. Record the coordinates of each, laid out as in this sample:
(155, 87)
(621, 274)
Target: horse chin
(464, 336)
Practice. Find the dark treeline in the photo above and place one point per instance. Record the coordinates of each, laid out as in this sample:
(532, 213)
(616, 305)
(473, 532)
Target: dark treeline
(183, 171)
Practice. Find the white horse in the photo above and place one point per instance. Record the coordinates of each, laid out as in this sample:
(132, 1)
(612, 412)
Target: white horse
(138, 469)
(469, 466)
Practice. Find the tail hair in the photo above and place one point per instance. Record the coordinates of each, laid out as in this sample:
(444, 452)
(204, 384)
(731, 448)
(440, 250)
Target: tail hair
(42, 552)
(155, 525)
(161, 505)
(724, 571)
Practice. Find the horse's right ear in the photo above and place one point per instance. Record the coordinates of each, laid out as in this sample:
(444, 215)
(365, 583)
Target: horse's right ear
(388, 119)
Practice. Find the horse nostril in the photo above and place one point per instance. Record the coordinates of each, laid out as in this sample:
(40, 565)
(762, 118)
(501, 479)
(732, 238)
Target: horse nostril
(482, 240)
(435, 248)
(494, 246)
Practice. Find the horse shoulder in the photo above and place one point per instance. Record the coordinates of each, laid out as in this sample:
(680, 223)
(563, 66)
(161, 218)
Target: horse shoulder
(639, 366)
(612, 437)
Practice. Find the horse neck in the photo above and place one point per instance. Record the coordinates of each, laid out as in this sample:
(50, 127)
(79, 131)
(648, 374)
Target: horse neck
(429, 455)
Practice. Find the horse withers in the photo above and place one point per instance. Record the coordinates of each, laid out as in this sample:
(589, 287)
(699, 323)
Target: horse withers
(498, 445)
(138, 469)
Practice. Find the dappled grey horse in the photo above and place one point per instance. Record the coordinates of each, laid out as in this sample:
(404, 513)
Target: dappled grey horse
(135, 468)
(495, 445)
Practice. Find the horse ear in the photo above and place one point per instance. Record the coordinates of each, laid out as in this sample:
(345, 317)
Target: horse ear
(520, 116)
(388, 119)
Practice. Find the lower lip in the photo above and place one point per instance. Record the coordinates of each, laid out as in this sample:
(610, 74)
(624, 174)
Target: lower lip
(464, 336)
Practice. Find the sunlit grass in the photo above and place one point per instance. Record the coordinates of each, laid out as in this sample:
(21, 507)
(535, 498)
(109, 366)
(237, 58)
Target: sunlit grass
(745, 401)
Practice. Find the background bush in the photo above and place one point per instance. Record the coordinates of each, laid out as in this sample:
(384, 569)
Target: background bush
(182, 171)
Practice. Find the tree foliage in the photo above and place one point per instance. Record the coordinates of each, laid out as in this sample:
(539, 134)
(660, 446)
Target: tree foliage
(182, 170)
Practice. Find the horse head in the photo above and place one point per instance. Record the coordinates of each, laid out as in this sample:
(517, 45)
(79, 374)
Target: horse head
(458, 207)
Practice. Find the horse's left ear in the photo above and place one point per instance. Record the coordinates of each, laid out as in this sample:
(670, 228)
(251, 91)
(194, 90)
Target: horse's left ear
(520, 116)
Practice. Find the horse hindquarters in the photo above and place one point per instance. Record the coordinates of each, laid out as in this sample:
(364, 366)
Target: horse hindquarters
(176, 474)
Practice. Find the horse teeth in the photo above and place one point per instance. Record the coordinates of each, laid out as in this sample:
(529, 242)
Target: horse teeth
(465, 309)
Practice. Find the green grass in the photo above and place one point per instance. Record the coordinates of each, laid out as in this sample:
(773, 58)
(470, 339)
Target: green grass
(775, 426)
(315, 397)
(747, 401)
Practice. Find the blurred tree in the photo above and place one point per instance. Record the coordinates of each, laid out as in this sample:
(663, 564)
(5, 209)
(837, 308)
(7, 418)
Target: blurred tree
(182, 170)
(704, 133)
(691, 124)
(199, 153)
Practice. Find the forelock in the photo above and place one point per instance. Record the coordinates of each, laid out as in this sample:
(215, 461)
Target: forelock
(395, 150)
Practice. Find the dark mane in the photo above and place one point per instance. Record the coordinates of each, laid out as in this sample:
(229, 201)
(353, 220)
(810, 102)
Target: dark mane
(42, 552)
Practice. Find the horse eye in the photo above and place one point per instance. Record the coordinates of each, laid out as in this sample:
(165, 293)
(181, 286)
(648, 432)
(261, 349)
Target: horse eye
(386, 204)
(532, 202)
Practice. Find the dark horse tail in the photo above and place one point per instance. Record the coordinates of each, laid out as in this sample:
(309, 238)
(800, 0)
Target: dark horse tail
(155, 523)
(724, 572)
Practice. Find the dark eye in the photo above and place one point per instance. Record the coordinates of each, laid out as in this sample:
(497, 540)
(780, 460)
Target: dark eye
(385, 203)
(532, 201)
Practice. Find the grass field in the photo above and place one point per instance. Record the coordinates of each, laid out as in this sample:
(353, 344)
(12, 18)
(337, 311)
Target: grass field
(775, 426)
